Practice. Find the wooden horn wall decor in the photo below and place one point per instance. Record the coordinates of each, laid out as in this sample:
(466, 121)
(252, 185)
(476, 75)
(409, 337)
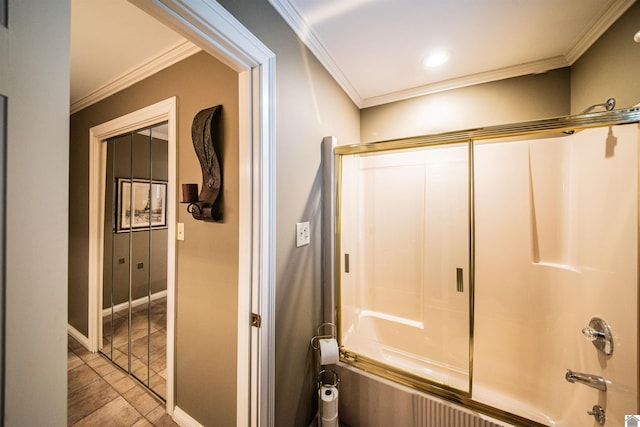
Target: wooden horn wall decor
(206, 135)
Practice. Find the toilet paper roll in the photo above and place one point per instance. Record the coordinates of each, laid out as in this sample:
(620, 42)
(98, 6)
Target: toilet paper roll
(329, 422)
(329, 353)
(328, 402)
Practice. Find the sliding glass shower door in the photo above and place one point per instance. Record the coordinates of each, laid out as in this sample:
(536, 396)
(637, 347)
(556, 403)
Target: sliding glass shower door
(135, 255)
(405, 255)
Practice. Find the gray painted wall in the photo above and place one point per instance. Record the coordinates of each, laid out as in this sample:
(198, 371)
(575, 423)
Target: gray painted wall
(505, 101)
(610, 68)
(34, 75)
(309, 106)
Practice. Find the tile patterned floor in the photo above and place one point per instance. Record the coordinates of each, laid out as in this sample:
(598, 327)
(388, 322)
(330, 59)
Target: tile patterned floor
(101, 394)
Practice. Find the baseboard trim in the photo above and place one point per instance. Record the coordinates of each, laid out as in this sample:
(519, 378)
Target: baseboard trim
(183, 419)
(78, 336)
(125, 305)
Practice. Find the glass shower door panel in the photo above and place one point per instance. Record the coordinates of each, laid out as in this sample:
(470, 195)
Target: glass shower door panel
(404, 228)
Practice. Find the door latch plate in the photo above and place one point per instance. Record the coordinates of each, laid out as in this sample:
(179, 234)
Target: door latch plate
(256, 320)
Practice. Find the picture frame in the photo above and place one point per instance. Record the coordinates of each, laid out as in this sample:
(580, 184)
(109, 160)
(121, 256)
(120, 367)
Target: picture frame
(149, 200)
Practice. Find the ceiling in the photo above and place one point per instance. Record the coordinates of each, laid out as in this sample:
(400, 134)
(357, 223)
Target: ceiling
(373, 48)
(113, 45)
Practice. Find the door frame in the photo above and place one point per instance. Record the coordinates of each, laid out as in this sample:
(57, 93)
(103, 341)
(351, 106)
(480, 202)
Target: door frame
(157, 113)
(208, 25)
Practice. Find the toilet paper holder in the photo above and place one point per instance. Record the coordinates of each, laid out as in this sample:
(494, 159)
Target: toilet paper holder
(322, 375)
(319, 336)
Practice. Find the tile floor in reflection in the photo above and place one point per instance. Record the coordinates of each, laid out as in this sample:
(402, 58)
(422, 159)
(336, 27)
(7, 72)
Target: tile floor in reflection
(148, 343)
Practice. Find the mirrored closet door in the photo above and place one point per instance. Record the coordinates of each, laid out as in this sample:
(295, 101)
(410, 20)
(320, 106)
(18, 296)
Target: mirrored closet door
(134, 296)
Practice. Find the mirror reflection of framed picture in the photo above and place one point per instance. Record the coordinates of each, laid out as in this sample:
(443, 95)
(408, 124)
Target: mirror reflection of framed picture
(140, 204)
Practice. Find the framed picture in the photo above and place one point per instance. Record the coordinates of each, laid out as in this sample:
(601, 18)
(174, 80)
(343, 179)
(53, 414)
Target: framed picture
(140, 204)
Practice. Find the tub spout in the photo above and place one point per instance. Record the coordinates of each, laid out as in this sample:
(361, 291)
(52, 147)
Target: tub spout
(586, 379)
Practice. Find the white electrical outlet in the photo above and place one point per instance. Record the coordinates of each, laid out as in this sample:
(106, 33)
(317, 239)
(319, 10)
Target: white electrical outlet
(303, 236)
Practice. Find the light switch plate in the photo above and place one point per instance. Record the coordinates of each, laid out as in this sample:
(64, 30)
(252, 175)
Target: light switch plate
(303, 236)
(180, 231)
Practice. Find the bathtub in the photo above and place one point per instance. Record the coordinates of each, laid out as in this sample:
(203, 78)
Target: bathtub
(371, 401)
(407, 344)
(382, 338)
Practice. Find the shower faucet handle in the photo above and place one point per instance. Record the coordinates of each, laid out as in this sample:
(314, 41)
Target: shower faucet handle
(591, 333)
(599, 333)
(598, 414)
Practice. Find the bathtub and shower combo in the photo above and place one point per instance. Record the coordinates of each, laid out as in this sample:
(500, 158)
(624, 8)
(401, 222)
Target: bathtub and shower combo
(489, 276)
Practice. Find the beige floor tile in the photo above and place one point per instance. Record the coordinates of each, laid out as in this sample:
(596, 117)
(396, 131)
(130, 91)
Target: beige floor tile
(73, 361)
(80, 377)
(141, 399)
(120, 381)
(87, 399)
(118, 412)
(159, 418)
(72, 343)
(101, 365)
(80, 351)
(87, 355)
(143, 423)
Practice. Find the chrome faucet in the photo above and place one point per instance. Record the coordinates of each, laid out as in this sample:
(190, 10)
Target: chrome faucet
(586, 379)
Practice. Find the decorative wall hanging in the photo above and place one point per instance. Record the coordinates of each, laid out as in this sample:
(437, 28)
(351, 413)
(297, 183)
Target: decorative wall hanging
(206, 135)
(141, 204)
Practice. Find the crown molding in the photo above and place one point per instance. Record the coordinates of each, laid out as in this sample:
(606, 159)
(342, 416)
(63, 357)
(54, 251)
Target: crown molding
(304, 31)
(536, 67)
(597, 29)
(301, 27)
(171, 56)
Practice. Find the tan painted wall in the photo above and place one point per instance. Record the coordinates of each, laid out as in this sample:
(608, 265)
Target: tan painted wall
(506, 101)
(206, 285)
(610, 68)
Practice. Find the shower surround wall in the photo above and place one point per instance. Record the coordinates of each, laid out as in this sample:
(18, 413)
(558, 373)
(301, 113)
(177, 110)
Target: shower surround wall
(555, 245)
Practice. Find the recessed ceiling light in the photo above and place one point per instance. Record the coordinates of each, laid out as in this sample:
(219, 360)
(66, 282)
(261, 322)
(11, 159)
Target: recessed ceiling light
(636, 37)
(436, 59)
